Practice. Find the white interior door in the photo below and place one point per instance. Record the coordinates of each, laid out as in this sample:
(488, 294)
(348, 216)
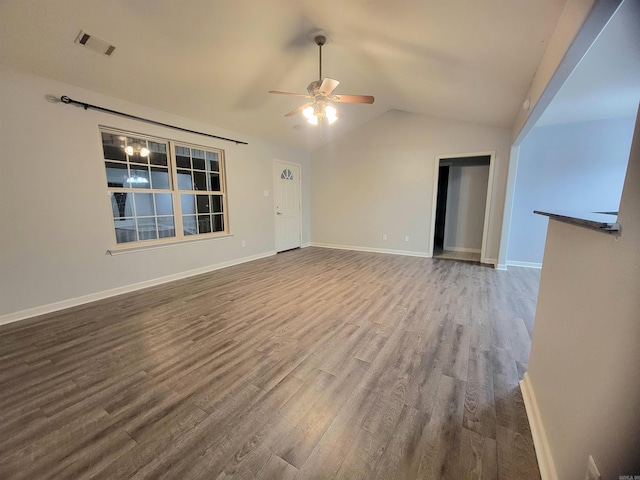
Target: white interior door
(286, 185)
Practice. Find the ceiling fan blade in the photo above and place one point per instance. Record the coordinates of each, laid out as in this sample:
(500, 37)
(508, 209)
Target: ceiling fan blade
(352, 98)
(328, 86)
(291, 94)
(297, 110)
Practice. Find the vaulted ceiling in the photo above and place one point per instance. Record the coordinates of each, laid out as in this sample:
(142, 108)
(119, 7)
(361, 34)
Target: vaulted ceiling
(214, 61)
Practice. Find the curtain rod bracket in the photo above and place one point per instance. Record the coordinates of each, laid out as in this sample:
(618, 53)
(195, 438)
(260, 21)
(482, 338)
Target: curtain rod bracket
(69, 101)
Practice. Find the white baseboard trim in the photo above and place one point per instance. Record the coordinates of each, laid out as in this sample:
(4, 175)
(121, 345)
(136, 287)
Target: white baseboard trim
(92, 297)
(501, 266)
(462, 249)
(305, 245)
(513, 263)
(545, 460)
(408, 253)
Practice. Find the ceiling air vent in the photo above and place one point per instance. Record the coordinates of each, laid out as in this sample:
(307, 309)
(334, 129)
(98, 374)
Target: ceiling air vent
(94, 43)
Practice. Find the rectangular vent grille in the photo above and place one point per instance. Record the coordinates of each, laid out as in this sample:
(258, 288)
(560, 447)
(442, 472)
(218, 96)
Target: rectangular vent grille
(94, 43)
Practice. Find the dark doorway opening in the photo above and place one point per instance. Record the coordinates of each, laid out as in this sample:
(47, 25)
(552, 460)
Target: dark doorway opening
(441, 207)
(461, 196)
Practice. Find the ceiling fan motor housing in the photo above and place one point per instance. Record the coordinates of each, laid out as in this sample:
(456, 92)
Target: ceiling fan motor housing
(313, 87)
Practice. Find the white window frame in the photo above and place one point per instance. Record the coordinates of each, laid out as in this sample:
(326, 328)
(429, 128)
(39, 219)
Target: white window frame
(179, 237)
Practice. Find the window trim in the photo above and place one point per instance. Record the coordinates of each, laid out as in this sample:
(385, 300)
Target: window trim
(179, 238)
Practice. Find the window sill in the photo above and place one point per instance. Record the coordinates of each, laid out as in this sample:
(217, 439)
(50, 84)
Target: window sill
(153, 246)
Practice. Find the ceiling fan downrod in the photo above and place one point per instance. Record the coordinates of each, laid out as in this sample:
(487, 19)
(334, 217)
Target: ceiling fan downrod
(320, 41)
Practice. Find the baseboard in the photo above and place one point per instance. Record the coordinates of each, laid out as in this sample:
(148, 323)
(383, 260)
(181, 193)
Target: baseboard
(545, 461)
(513, 263)
(501, 266)
(305, 245)
(408, 253)
(462, 249)
(92, 297)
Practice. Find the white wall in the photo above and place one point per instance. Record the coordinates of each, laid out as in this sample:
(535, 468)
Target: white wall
(579, 24)
(573, 15)
(378, 180)
(585, 361)
(55, 212)
(576, 166)
(466, 199)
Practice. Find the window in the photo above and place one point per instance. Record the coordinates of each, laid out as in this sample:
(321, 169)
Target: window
(163, 191)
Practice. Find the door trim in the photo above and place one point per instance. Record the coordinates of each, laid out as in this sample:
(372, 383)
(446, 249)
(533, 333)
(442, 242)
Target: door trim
(487, 208)
(273, 169)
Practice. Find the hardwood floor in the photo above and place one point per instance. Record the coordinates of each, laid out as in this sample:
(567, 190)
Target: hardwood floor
(453, 255)
(313, 364)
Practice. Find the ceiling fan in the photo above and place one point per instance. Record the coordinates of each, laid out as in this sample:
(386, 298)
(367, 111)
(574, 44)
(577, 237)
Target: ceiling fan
(321, 94)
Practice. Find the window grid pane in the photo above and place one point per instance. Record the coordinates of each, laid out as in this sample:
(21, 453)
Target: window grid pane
(202, 213)
(198, 169)
(140, 175)
(160, 178)
(147, 229)
(189, 225)
(125, 230)
(166, 227)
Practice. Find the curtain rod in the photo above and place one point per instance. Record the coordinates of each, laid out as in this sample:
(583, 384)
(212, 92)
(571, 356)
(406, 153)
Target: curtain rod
(69, 101)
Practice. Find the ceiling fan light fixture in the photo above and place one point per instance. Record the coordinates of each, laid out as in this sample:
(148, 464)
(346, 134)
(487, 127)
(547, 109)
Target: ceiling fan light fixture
(318, 111)
(310, 115)
(331, 114)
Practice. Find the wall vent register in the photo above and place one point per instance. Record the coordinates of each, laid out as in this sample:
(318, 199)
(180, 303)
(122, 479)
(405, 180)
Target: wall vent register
(94, 43)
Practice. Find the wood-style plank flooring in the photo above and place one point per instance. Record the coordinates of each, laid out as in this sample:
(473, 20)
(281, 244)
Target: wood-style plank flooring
(453, 255)
(312, 364)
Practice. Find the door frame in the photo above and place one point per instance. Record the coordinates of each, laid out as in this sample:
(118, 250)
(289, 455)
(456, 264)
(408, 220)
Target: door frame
(487, 209)
(273, 179)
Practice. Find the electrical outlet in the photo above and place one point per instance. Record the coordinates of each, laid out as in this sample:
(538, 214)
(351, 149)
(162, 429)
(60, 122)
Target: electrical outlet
(406, 238)
(592, 470)
(384, 236)
(266, 193)
(244, 244)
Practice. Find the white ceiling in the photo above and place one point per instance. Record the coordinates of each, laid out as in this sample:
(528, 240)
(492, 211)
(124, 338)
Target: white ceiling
(606, 82)
(214, 61)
